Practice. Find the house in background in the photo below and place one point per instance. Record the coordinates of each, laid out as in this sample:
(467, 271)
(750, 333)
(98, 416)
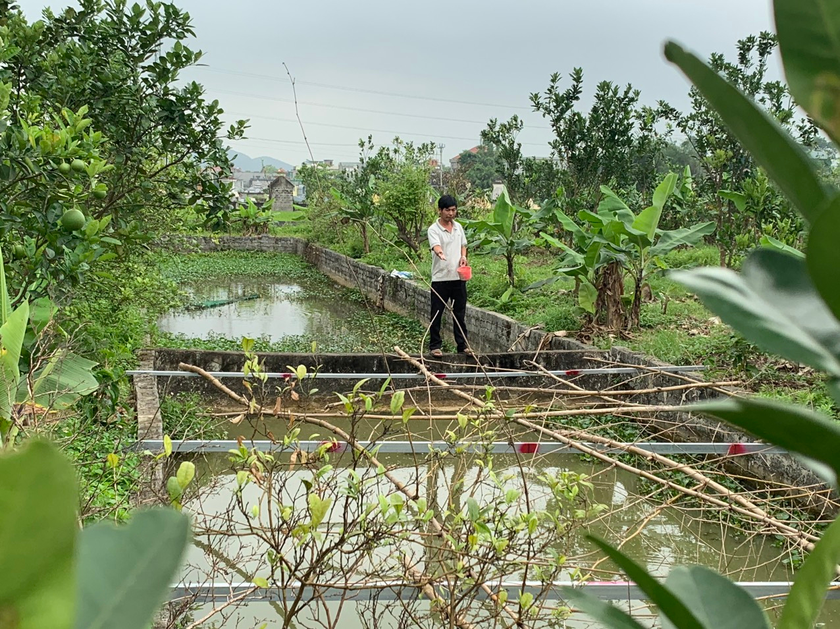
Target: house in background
(282, 192)
(453, 163)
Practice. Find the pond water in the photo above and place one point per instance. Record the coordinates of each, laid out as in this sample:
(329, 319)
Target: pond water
(286, 316)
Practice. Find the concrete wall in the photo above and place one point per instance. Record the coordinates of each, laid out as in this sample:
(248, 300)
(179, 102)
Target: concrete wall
(495, 333)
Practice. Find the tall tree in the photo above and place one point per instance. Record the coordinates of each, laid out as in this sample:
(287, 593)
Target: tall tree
(616, 142)
(726, 164)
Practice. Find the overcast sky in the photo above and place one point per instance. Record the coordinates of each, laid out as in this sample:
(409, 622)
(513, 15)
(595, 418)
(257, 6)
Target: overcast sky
(435, 70)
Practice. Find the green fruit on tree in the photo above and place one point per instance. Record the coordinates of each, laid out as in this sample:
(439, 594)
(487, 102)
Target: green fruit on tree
(72, 220)
(64, 168)
(78, 165)
(18, 251)
(100, 193)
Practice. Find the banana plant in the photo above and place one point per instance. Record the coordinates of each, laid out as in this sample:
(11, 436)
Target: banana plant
(55, 383)
(616, 238)
(502, 233)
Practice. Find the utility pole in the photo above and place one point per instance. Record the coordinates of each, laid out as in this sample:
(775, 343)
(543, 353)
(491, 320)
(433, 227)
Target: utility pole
(440, 165)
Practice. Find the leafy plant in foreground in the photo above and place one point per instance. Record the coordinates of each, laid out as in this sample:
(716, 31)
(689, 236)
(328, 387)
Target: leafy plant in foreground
(783, 304)
(56, 575)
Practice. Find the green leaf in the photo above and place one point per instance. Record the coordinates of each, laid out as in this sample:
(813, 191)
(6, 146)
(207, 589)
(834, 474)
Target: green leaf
(648, 220)
(473, 510)
(610, 203)
(714, 600)
(738, 198)
(809, 39)
(673, 238)
(823, 255)
(397, 401)
(185, 474)
(807, 595)
(774, 305)
(11, 341)
(795, 428)
(780, 155)
(174, 489)
(587, 296)
(503, 213)
(5, 303)
(778, 245)
(61, 382)
(318, 508)
(601, 611)
(124, 573)
(669, 605)
(38, 528)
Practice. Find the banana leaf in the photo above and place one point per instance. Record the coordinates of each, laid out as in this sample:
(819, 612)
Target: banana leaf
(60, 383)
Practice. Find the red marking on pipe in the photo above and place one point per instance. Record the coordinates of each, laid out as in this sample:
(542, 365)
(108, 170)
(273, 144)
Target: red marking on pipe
(332, 446)
(736, 448)
(286, 376)
(572, 372)
(529, 448)
(441, 376)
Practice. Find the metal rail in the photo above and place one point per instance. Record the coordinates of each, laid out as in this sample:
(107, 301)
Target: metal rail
(417, 376)
(496, 447)
(396, 590)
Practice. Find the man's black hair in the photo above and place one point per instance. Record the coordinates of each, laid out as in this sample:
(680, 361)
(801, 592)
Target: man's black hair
(447, 200)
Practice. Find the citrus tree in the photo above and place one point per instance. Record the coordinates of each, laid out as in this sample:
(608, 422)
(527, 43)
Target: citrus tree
(97, 121)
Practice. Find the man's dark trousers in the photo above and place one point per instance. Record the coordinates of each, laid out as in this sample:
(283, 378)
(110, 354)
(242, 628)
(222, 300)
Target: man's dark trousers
(442, 292)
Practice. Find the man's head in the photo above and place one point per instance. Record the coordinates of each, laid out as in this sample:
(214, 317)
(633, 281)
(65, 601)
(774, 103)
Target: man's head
(447, 207)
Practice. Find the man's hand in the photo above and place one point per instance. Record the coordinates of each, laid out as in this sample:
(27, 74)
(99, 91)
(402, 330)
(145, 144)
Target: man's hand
(440, 254)
(462, 261)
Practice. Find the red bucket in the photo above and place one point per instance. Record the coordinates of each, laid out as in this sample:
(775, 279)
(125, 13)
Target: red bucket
(465, 272)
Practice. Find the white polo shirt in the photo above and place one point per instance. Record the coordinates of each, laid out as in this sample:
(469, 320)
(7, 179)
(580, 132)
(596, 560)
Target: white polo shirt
(451, 243)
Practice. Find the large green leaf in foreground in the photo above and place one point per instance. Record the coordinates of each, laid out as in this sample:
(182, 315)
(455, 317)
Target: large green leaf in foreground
(124, 573)
(774, 304)
(37, 539)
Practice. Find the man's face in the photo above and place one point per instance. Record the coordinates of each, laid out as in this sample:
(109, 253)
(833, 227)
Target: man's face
(448, 213)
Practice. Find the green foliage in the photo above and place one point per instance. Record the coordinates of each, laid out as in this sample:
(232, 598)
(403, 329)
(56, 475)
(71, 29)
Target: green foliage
(255, 220)
(57, 576)
(38, 520)
(481, 168)
(729, 158)
(502, 234)
(780, 302)
(616, 142)
(58, 382)
(95, 118)
(402, 197)
(613, 238)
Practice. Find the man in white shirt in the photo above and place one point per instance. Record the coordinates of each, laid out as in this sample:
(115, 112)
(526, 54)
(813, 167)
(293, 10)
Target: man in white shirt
(449, 251)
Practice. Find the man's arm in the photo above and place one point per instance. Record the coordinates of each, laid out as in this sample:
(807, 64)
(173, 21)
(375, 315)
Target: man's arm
(434, 244)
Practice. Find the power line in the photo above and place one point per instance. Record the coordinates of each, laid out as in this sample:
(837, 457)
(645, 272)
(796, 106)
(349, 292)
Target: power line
(345, 88)
(363, 110)
(369, 130)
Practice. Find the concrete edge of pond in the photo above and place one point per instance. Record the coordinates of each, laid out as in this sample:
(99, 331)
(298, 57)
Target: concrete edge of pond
(503, 342)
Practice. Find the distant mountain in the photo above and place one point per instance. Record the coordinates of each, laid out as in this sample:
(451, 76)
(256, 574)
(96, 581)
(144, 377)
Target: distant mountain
(255, 164)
